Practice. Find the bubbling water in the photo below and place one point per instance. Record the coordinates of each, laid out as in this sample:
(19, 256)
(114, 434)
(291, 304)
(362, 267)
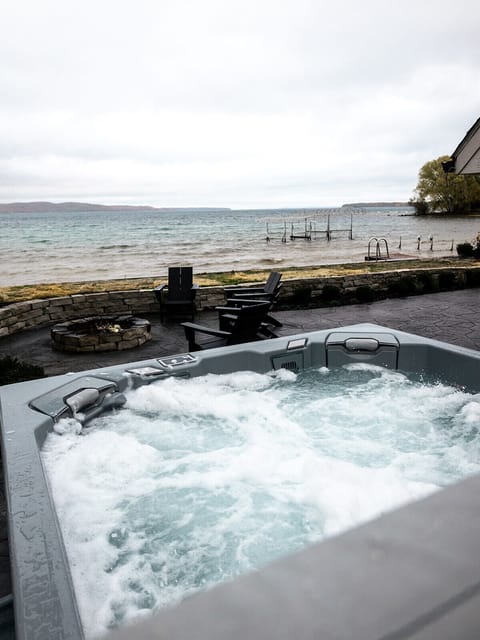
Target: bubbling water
(198, 480)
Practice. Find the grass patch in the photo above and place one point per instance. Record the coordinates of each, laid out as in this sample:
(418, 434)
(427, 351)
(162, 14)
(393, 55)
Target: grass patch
(21, 293)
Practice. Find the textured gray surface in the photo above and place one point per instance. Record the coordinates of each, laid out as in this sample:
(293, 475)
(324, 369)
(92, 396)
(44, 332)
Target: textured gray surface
(451, 317)
(413, 573)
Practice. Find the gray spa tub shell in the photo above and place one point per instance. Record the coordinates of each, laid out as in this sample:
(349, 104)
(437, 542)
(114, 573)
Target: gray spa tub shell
(412, 573)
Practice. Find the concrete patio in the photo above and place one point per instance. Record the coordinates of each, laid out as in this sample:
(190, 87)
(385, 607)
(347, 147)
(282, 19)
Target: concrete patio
(451, 316)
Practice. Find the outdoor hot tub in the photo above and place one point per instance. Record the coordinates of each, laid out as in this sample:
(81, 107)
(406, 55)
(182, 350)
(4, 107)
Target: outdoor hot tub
(412, 572)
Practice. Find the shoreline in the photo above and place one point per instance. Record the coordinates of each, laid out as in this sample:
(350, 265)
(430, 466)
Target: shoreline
(11, 294)
(141, 247)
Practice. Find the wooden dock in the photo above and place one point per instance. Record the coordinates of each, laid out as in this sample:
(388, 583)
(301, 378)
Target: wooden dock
(306, 227)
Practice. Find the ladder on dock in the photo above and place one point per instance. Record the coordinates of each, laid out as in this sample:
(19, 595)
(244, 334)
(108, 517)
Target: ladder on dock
(378, 249)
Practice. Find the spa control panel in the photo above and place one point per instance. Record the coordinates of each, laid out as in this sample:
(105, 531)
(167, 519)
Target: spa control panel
(176, 361)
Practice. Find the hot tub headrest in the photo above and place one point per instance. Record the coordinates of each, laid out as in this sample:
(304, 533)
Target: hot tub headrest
(80, 395)
(82, 399)
(374, 347)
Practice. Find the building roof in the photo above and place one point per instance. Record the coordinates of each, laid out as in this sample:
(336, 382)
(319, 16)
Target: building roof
(466, 157)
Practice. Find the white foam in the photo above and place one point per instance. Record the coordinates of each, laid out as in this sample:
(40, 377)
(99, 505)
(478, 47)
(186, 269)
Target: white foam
(199, 479)
(67, 425)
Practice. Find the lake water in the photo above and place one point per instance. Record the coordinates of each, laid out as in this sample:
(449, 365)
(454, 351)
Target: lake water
(68, 247)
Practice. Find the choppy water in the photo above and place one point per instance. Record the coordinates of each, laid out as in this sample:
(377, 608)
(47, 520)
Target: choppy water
(65, 247)
(170, 496)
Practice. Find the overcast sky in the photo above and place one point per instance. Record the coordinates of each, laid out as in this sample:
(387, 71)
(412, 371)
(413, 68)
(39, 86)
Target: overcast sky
(239, 103)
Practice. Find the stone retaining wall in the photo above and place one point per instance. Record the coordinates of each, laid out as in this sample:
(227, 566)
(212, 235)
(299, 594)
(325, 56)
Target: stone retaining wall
(38, 313)
(302, 291)
(352, 288)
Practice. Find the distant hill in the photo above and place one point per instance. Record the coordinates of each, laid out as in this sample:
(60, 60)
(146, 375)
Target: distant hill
(376, 204)
(66, 207)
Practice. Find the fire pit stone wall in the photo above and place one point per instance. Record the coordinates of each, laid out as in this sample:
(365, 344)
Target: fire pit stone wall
(101, 333)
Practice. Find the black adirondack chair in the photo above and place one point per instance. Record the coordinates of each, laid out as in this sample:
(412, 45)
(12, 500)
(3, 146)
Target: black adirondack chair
(265, 328)
(236, 324)
(269, 291)
(177, 298)
(270, 288)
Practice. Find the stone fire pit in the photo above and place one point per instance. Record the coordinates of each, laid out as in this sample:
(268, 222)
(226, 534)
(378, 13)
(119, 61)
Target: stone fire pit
(101, 333)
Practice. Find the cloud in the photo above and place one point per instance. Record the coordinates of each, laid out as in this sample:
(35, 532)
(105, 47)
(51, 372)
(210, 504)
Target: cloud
(181, 103)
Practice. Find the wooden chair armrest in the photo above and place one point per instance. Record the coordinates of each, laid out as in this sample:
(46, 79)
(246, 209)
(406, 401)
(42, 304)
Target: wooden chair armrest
(224, 310)
(159, 294)
(243, 290)
(161, 287)
(266, 332)
(235, 302)
(253, 292)
(193, 291)
(191, 328)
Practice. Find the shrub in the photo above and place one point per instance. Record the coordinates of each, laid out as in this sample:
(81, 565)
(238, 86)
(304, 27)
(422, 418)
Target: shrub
(472, 278)
(302, 295)
(404, 286)
(365, 293)
(447, 280)
(465, 250)
(476, 249)
(13, 370)
(330, 292)
(421, 207)
(469, 249)
(427, 282)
